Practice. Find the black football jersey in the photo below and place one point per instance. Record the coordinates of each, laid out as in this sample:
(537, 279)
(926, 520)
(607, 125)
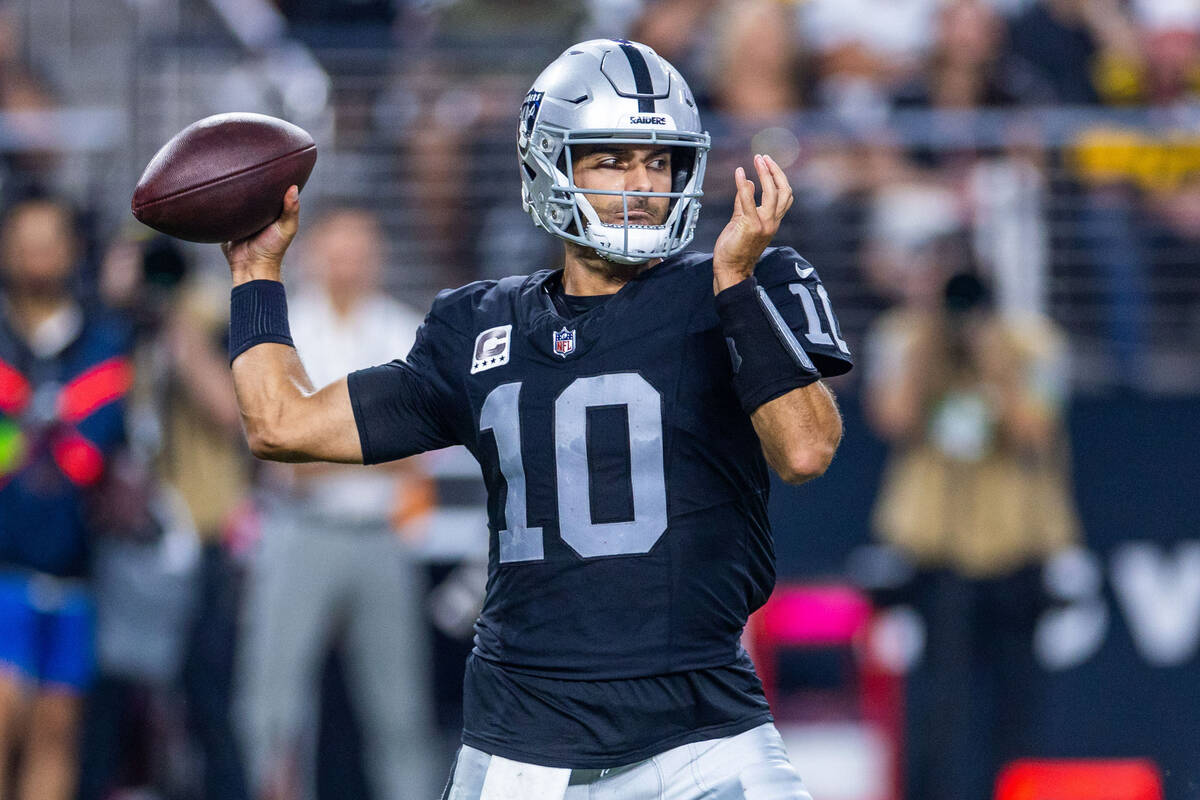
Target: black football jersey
(627, 500)
(627, 488)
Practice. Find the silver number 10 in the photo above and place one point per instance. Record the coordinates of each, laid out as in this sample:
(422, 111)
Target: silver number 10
(518, 542)
(589, 539)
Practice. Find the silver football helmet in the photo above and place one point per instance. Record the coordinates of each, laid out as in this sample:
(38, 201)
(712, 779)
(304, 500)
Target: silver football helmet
(610, 91)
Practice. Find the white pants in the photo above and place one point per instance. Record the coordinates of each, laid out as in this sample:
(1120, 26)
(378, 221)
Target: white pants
(750, 766)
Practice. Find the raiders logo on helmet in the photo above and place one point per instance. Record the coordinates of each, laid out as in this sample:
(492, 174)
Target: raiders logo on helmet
(529, 112)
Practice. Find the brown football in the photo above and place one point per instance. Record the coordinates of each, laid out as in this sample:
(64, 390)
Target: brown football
(224, 177)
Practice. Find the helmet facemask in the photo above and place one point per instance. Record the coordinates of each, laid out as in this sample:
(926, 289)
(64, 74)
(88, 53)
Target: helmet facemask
(626, 243)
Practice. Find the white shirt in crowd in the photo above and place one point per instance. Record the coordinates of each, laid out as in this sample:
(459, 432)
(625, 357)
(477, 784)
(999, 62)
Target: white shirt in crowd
(378, 330)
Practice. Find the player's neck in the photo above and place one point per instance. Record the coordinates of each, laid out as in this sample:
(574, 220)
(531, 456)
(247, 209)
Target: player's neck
(586, 273)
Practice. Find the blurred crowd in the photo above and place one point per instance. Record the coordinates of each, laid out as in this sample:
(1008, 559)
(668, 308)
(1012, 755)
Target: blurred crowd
(1060, 135)
(168, 607)
(179, 620)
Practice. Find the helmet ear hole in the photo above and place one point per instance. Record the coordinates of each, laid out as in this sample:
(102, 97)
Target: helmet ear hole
(683, 162)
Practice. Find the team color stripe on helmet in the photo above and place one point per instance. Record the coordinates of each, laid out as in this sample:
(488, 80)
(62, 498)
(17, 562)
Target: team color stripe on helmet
(641, 78)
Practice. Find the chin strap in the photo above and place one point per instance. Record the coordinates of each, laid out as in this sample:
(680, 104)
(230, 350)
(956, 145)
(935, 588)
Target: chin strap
(642, 247)
(644, 242)
(615, 259)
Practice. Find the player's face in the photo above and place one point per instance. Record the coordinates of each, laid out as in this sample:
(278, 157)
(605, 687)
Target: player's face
(625, 168)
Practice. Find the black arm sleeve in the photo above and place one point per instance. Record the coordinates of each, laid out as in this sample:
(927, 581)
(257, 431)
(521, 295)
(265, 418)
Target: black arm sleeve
(404, 407)
(767, 359)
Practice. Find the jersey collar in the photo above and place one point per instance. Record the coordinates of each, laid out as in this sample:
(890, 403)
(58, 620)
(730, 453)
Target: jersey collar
(588, 328)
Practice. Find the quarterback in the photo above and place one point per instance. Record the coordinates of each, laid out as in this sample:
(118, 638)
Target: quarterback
(625, 410)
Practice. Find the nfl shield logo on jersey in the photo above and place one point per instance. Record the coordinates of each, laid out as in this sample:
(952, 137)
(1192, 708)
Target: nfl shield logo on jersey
(564, 342)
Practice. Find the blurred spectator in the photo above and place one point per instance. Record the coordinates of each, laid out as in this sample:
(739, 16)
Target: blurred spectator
(170, 611)
(997, 186)
(1060, 47)
(864, 49)
(1000, 192)
(1138, 209)
(894, 34)
(64, 373)
(332, 568)
(910, 242)
(679, 30)
(1007, 194)
(757, 72)
(1170, 32)
(964, 68)
(1157, 61)
(29, 158)
(205, 458)
(976, 498)
(1000, 187)
(451, 112)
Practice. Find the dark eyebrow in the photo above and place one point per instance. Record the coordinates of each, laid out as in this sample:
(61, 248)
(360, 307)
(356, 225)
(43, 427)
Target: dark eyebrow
(580, 152)
(619, 152)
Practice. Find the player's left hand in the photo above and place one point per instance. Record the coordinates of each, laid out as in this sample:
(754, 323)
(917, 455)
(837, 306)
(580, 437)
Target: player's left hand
(752, 227)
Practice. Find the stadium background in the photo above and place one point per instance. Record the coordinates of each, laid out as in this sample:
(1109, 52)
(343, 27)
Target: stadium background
(1084, 208)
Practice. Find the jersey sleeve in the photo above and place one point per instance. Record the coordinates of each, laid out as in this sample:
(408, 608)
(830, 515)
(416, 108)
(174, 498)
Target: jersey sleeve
(802, 300)
(403, 407)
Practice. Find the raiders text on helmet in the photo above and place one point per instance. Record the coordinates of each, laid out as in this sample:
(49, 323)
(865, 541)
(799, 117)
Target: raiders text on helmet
(610, 91)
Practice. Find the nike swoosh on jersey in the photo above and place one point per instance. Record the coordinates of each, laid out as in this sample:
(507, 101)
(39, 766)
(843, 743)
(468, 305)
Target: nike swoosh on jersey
(804, 273)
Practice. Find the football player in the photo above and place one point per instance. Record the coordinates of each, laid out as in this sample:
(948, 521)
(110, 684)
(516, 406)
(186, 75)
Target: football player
(624, 409)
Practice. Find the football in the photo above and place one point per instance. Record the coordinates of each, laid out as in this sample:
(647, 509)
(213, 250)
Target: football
(223, 178)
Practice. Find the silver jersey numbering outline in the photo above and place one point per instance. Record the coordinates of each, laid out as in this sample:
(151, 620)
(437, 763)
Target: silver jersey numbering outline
(815, 334)
(643, 405)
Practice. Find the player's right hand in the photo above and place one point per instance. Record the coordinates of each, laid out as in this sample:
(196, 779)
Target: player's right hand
(751, 227)
(260, 257)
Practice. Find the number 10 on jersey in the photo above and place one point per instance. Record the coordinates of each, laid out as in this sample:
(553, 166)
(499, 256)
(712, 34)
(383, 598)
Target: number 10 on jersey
(643, 405)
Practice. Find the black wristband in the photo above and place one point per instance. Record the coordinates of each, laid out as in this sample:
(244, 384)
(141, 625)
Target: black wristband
(768, 361)
(257, 314)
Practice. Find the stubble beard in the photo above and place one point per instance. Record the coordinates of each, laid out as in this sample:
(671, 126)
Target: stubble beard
(611, 271)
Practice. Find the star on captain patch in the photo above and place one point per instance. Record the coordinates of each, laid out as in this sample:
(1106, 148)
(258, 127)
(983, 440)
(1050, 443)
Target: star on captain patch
(564, 342)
